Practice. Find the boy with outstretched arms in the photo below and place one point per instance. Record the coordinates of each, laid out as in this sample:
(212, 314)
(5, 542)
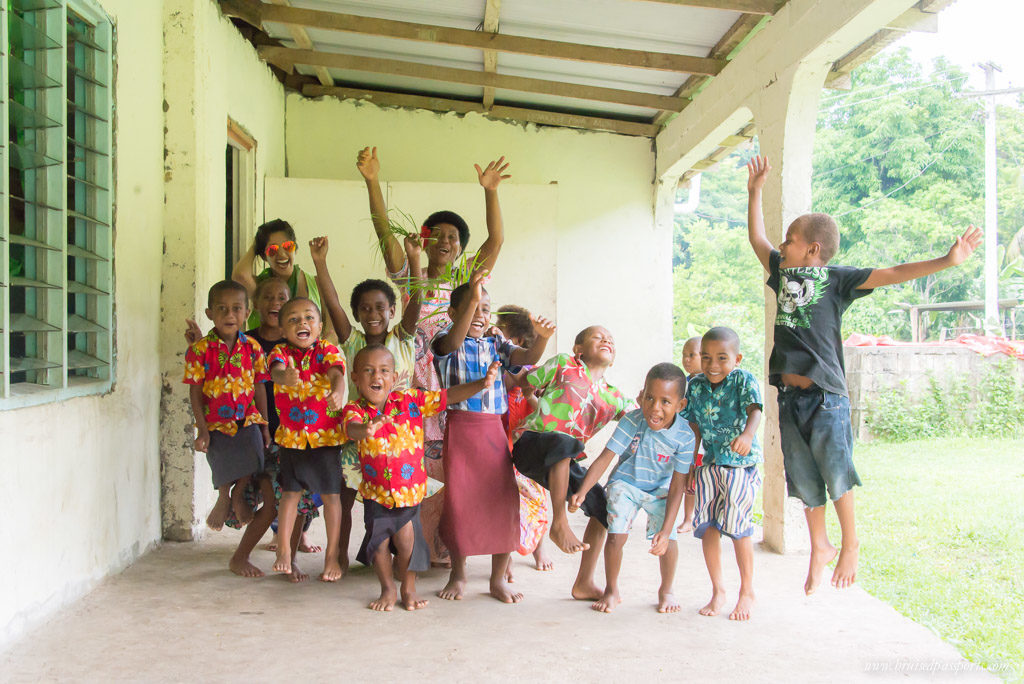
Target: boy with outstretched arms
(806, 364)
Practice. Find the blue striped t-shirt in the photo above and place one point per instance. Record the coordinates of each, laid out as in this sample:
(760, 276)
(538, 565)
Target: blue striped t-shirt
(647, 458)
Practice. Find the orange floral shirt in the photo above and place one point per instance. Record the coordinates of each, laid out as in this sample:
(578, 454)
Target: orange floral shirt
(391, 461)
(229, 378)
(306, 422)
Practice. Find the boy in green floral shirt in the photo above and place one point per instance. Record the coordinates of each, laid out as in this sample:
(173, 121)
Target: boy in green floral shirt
(574, 403)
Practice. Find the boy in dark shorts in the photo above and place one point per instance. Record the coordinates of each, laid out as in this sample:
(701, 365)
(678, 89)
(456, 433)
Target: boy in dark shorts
(806, 364)
(309, 387)
(226, 370)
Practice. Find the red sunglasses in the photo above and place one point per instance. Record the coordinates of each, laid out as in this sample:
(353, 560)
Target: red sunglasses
(287, 245)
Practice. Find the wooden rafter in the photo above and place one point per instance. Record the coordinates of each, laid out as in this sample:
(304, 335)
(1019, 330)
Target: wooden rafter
(480, 40)
(724, 149)
(302, 39)
(746, 6)
(492, 11)
(440, 104)
(286, 58)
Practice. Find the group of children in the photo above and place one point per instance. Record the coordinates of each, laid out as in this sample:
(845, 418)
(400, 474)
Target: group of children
(282, 413)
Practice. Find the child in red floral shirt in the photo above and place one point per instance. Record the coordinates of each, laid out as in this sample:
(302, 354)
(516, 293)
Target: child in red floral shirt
(226, 370)
(388, 429)
(309, 385)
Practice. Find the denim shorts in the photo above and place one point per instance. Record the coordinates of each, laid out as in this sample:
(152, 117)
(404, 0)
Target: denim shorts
(817, 444)
(626, 501)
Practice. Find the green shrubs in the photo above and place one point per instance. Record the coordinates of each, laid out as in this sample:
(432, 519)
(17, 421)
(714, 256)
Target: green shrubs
(948, 410)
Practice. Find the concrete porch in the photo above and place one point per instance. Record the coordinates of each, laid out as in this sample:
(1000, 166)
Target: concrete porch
(177, 614)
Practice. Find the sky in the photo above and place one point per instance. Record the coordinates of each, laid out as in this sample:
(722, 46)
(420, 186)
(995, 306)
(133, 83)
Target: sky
(976, 31)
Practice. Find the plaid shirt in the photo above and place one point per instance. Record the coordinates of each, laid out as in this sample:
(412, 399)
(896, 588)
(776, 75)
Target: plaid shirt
(469, 363)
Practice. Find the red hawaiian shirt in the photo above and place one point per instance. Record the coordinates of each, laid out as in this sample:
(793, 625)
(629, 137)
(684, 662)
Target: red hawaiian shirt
(392, 460)
(229, 378)
(306, 422)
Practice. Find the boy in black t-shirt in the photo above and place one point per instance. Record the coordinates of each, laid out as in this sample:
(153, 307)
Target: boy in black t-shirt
(806, 364)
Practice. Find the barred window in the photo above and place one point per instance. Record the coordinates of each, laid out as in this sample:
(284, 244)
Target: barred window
(56, 235)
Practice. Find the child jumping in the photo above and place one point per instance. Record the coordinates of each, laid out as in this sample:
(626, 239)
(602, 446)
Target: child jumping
(806, 364)
(575, 402)
(481, 505)
(655, 448)
(387, 425)
(724, 408)
(309, 384)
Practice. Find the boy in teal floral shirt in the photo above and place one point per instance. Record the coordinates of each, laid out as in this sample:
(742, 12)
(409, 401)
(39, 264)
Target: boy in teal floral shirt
(724, 409)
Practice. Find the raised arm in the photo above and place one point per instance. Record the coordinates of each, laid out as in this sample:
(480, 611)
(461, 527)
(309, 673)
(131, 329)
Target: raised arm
(448, 343)
(594, 473)
(757, 172)
(543, 330)
(961, 249)
(242, 270)
(318, 248)
(390, 247)
(411, 313)
(490, 178)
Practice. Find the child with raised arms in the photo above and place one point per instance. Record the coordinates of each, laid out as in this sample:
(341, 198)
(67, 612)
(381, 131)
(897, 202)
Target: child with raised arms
(574, 403)
(724, 407)
(481, 505)
(806, 364)
(654, 446)
(387, 425)
(309, 386)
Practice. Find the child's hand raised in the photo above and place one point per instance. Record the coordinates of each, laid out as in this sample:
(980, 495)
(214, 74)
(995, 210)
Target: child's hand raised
(543, 327)
(659, 544)
(290, 374)
(492, 374)
(192, 331)
(318, 247)
(413, 247)
(492, 176)
(476, 284)
(964, 246)
(741, 445)
(368, 164)
(757, 173)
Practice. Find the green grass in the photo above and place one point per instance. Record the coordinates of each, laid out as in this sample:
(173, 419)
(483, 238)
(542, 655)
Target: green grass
(941, 524)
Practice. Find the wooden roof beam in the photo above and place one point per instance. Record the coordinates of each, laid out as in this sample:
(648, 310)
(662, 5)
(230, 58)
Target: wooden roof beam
(302, 39)
(480, 40)
(440, 104)
(492, 10)
(287, 57)
(761, 7)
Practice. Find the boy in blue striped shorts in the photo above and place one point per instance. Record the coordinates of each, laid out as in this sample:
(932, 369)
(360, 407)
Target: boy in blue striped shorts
(655, 449)
(724, 408)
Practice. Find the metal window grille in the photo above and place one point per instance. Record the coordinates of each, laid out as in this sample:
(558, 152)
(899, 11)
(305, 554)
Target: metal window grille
(56, 220)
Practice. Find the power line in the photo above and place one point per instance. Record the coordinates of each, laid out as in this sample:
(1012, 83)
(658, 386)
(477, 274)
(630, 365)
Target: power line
(838, 107)
(912, 81)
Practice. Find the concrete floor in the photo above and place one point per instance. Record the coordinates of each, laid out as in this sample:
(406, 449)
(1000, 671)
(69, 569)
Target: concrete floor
(178, 614)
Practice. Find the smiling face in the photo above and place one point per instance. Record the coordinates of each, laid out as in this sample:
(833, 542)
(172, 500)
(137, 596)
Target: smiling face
(269, 300)
(660, 402)
(597, 348)
(691, 356)
(481, 317)
(443, 247)
(300, 321)
(374, 375)
(229, 311)
(282, 262)
(374, 313)
(718, 358)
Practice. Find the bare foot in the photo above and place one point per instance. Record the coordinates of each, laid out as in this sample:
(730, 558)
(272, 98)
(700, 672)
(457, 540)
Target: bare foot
(667, 603)
(543, 562)
(819, 559)
(714, 605)
(508, 572)
(411, 601)
(242, 510)
(845, 573)
(297, 574)
(453, 590)
(343, 562)
(685, 526)
(386, 601)
(586, 591)
(608, 602)
(215, 521)
(283, 563)
(306, 547)
(243, 568)
(333, 572)
(742, 609)
(272, 544)
(566, 540)
(501, 591)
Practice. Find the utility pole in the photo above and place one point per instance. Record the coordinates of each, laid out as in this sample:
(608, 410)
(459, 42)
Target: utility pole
(993, 324)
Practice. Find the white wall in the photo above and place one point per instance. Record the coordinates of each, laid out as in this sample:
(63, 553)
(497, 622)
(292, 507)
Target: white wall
(81, 492)
(613, 262)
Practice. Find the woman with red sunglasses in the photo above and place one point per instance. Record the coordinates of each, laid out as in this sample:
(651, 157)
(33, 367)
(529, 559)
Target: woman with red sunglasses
(275, 243)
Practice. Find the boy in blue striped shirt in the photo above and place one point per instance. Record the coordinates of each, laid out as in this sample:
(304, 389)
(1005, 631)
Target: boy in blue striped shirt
(655, 449)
